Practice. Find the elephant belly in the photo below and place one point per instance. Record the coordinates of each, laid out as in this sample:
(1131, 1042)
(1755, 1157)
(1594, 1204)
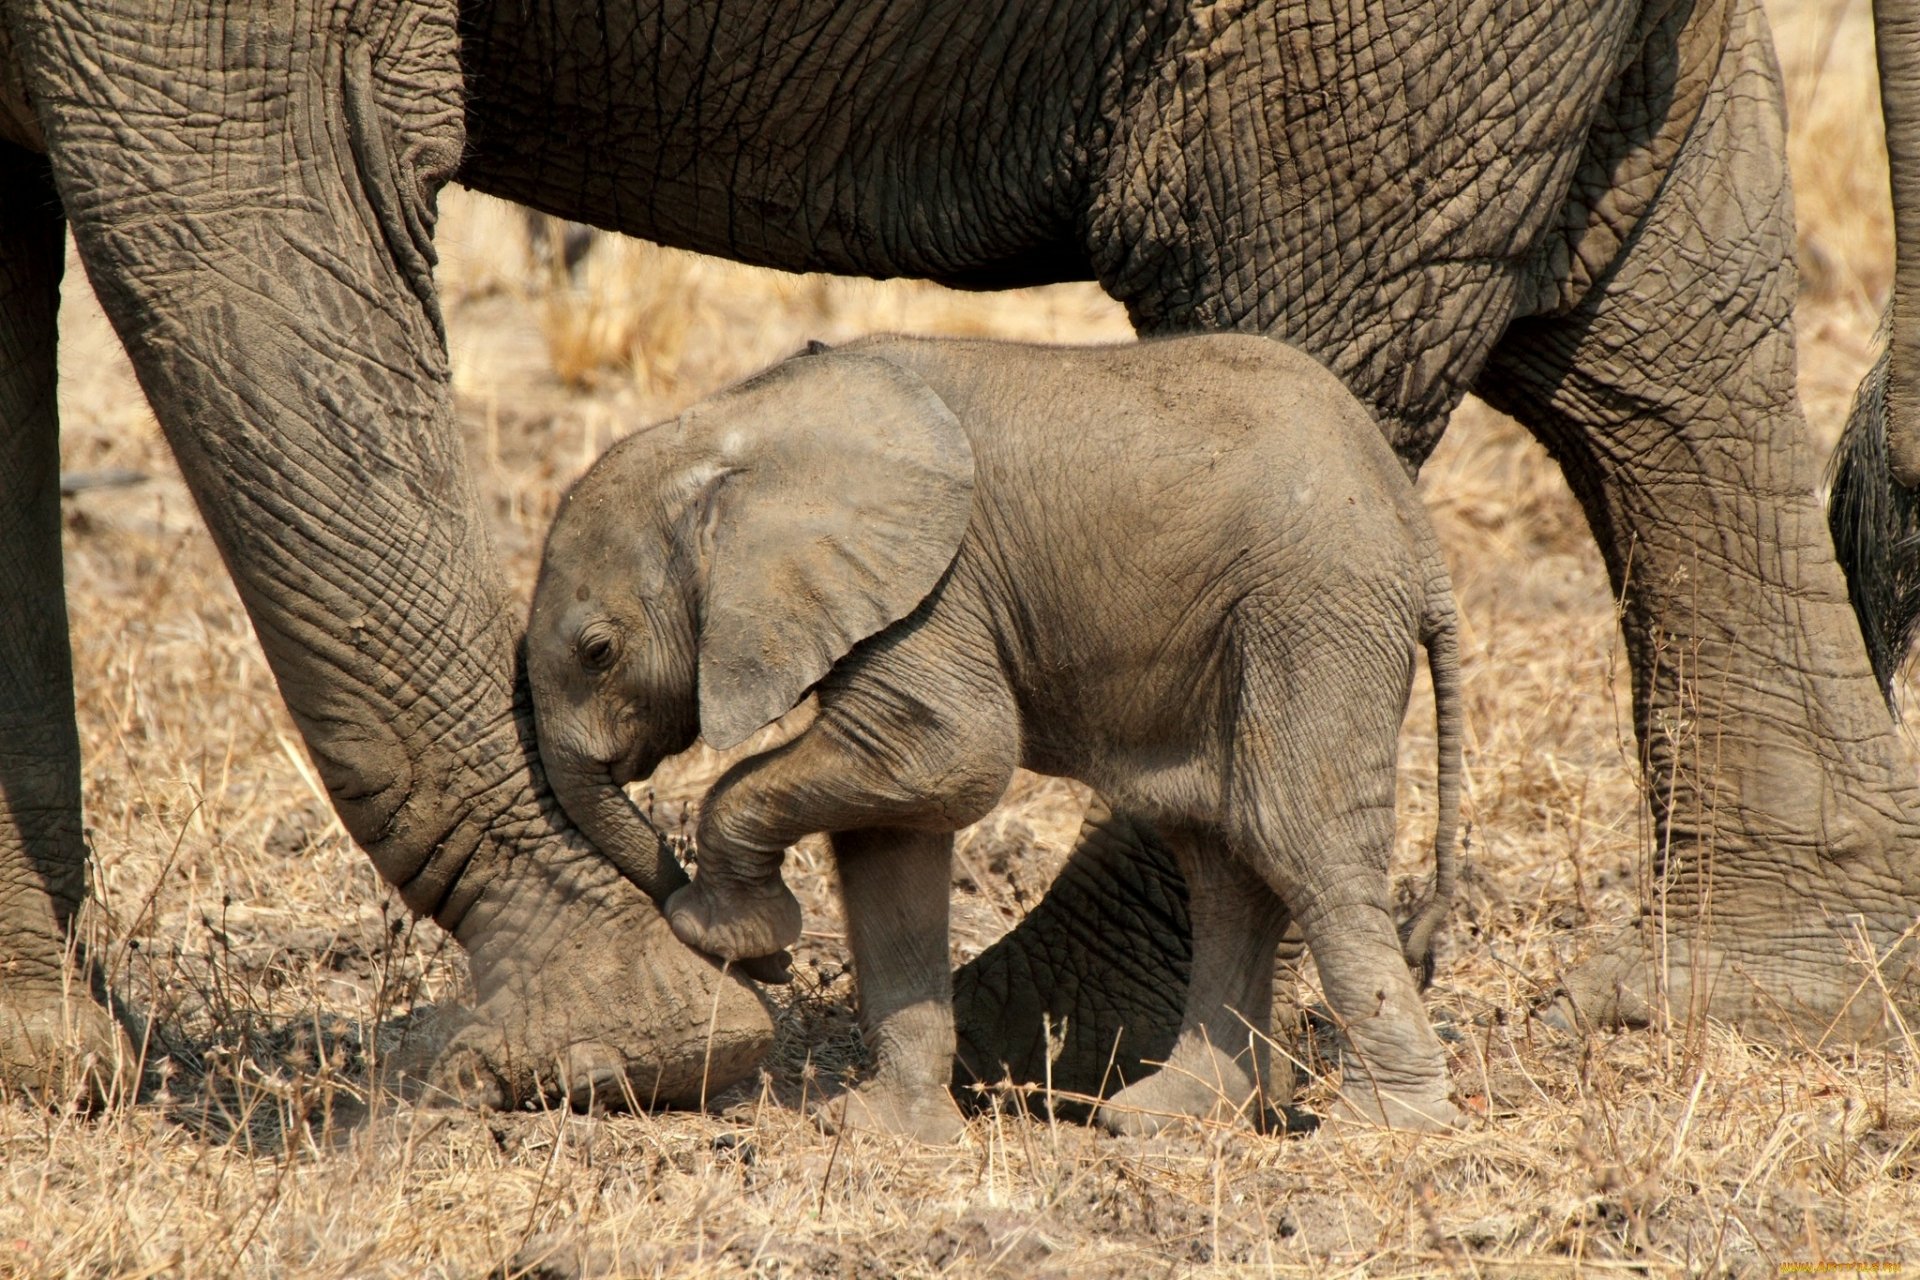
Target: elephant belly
(1376, 193)
(813, 135)
(1176, 780)
(17, 122)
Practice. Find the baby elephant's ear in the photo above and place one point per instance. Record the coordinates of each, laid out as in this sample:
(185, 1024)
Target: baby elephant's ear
(847, 488)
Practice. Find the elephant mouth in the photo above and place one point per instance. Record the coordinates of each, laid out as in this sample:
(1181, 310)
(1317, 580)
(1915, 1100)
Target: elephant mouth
(619, 770)
(635, 766)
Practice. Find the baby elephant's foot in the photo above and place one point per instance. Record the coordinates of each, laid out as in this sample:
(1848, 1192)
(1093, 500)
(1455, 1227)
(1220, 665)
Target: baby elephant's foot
(1197, 1086)
(735, 924)
(926, 1113)
(1391, 1111)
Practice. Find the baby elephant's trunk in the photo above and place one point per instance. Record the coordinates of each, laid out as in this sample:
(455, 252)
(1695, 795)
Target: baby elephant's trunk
(1440, 636)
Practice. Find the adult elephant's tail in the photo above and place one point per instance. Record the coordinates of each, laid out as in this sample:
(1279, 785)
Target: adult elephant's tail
(1875, 521)
(1874, 512)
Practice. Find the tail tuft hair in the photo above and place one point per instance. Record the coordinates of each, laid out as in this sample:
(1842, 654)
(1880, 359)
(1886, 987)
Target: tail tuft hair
(1875, 522)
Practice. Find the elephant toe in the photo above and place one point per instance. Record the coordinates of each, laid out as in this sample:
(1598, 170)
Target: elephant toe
(927, 1114)
(775, 970)
(451, 1061)
(1407, 1115)
(594, 1074)
(66, 1051)
(1123, 1120)
(1558, 1012)
(1195, 1088)
(1610, 989)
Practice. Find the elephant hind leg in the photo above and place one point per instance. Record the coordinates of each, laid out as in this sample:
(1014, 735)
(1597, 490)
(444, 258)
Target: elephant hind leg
(1786, 816)
(1089, 987)
(55, 1042)
(1312, 814)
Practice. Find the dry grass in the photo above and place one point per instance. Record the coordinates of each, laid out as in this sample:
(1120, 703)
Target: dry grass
(231, 909)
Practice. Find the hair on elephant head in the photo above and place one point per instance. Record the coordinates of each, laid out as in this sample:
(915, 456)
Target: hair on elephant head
(707, 571)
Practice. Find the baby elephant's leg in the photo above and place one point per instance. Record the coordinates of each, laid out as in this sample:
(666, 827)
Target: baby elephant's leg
(1396, 1074)
(1313, 813)
(1220, 1061)
(863, 764)
(738, 907)
(894, 883)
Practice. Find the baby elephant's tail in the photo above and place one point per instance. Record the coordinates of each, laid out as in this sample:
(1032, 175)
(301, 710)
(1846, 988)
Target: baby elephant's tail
(1440, 636)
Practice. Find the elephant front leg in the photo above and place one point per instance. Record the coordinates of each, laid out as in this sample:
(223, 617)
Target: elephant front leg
(922, 746)
(55, 1041)
(270, 273)
(894, 883)
(1787, 823)
(738, 907)
(891, 776)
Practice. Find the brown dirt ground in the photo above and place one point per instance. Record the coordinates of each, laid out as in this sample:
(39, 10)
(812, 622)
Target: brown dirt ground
(232, 913)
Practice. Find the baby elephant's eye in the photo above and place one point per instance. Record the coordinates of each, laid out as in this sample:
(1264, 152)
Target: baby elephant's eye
(597, 648)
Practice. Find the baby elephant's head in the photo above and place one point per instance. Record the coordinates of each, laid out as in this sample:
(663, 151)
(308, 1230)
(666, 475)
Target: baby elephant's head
(610, 644)
(708, 571)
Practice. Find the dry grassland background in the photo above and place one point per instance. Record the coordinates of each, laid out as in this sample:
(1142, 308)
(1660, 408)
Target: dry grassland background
(232, 912)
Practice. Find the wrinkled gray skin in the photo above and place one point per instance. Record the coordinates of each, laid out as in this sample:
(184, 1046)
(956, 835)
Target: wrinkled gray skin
(1189, 573)
(1577, 208)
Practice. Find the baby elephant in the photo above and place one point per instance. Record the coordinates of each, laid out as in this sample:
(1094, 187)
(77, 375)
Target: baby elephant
(1188, 572)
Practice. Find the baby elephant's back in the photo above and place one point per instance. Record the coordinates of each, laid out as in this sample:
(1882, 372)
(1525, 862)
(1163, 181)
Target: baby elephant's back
(1148, 457)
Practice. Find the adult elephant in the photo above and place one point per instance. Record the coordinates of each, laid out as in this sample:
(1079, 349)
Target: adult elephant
(1577, 208)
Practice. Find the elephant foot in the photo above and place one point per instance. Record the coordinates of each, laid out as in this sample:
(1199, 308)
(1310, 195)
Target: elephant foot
(735, 924)
(1392, 1111)
(1774, 974)
(62, 1049)
(924, 1113)
(1198, 1085)
(586, 997)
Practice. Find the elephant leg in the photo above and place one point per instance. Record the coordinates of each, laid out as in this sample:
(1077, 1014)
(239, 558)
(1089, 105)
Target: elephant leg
(55, 1041)
(1312, 811)
(1786, 814)
(1091, 985)
(1396, 1074)
(1218, 1065)
(252, 194)
(894, 883)
(946, 766)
